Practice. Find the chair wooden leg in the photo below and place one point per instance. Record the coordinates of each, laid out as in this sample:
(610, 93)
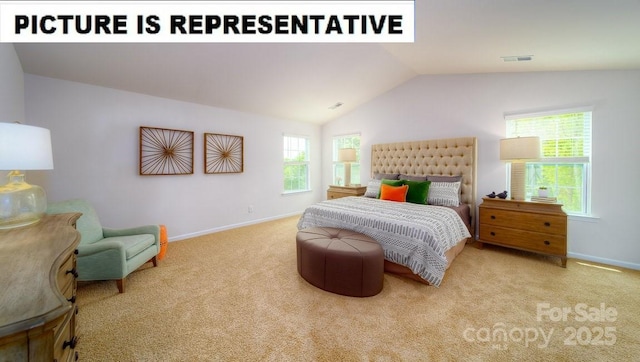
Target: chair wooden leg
(154, 260)
(120, 283)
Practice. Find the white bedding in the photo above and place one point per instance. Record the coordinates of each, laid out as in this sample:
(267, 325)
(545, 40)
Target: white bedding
(416, 236)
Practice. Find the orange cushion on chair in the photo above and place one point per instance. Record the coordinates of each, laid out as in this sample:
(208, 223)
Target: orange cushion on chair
(394, 193)
(163, 242)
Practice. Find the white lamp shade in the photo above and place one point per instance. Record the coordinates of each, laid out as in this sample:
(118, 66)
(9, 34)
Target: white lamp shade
(24, 147)
(347, 155)
(520, 148)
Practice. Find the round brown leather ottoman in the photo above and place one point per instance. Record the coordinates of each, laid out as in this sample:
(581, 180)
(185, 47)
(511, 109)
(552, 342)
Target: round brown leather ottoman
(340, 261)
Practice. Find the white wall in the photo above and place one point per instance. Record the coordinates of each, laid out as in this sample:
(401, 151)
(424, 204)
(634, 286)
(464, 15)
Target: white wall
(95, 137)
(430, 107)
(11, 90)
(11, 85)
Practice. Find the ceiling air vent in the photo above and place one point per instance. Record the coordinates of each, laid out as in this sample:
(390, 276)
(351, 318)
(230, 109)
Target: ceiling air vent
(517, 58)
(338, 104)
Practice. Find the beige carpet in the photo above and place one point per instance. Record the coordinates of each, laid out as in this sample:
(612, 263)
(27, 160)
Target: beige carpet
(236, 296)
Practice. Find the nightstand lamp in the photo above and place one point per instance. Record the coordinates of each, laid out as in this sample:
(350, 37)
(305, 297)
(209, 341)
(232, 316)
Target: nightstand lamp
(518, 151)
(23, 147)
(347, 155)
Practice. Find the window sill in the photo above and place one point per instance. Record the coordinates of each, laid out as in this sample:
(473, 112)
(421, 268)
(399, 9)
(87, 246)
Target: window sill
(285, 193)
(583, 218)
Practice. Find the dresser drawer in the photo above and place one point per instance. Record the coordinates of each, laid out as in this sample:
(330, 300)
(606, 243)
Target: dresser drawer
(68, 291)
(67, 272)
(541, 223)
(65, 341)
(522, 239)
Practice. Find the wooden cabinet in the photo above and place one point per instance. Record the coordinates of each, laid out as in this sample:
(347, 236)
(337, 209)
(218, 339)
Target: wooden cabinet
(336, 192)
(38, 282)
(530, 226)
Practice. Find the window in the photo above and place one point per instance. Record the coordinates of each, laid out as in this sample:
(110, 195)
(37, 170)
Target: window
(347, 141)
(296, 164)
(565, 164)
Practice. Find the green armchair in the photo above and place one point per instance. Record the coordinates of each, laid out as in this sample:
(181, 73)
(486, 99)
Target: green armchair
(109, 254)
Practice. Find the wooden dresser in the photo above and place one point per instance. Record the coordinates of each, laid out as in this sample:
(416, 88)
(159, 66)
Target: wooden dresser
(38, 282)
(336, 192)
(531, 226)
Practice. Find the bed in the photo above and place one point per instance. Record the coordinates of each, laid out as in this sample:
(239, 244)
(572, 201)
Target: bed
(419, 241)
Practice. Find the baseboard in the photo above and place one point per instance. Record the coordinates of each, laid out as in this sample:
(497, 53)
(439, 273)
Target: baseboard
(232, 226)
(622, 264)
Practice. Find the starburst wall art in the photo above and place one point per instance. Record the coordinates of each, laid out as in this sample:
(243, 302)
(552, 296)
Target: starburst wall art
(223, 153)
(165, 151)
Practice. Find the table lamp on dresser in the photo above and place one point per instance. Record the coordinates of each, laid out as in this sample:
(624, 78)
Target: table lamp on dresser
(518, 151)
(23, 147)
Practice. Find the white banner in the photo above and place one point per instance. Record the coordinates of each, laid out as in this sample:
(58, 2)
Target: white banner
(206, 21)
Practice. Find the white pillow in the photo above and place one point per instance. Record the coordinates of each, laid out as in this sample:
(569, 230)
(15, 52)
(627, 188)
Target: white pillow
(373, 189)
(444, 193)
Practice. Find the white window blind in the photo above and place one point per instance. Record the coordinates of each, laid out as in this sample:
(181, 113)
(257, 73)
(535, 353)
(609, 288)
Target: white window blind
(563, 137)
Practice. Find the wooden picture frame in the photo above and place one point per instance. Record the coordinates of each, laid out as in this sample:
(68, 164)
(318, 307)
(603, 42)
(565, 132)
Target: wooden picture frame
(223, 153)
(165, 151)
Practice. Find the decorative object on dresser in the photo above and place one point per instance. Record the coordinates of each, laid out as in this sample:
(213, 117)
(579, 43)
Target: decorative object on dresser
(38, 281)
(336, 192)
(524, 225)
(165, 151)
(223, 153)
(23, 147)
(347, 155)
(517, 151)
(543, 192)
(502, 195)
(548, 200)
(109, 254)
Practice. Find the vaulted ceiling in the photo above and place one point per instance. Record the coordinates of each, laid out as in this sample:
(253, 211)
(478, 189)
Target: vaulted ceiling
(301, 82)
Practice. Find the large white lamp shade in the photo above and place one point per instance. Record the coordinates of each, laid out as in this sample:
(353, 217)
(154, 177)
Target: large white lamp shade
(518, 151)
(23, 147)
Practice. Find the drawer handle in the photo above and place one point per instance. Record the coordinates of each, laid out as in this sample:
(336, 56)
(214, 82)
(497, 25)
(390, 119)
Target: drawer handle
(547, 224)
(72, 343)
(546, 242)
(493, 234)
(72, 299)
(493, 217)
(73, 271)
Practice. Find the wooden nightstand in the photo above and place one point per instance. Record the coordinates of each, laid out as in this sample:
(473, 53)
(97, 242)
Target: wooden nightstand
(530, 226)
(336, 192)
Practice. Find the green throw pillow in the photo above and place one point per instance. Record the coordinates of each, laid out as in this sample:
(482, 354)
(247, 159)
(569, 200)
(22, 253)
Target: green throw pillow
(418, 191)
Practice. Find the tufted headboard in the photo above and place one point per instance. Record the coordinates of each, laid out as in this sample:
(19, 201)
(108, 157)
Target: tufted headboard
(442, 157)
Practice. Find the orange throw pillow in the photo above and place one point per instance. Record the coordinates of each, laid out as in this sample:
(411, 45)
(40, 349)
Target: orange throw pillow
(394, 193)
